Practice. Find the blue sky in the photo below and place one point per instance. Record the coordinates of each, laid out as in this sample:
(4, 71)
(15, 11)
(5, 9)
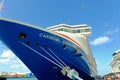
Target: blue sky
(103, 16)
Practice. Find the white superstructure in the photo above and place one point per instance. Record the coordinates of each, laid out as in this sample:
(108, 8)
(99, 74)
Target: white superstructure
(79, 33)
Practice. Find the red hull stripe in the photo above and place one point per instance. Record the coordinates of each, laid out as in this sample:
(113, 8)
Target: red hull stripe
(70, 39)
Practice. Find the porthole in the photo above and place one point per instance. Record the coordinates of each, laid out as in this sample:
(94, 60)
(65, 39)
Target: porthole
(75, 51)
(64, 46)
(22, 35)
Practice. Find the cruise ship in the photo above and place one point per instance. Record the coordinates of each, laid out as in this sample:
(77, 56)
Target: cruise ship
(60, 52)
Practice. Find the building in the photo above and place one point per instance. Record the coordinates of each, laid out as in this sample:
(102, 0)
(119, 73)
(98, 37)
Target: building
(3, 74)
(115, 64)
(21, 74)
(13, 74)
(29, 74)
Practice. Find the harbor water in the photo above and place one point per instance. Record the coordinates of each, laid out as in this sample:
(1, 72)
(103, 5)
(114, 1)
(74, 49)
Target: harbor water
(21, 79)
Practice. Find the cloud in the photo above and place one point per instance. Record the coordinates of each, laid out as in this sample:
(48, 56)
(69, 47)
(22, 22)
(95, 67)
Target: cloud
(18, 64)
(111, 32)
(100, 40)
(7, 54)
(4, 61)
(15, 66)
(8, 58)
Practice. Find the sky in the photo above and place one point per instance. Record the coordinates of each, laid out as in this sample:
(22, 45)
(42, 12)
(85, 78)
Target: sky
(102, 15)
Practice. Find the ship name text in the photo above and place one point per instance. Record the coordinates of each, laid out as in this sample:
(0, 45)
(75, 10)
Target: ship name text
(52, 37)
(49, 37)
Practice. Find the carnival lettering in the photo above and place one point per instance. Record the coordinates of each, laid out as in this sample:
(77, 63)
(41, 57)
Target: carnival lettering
(49, 37)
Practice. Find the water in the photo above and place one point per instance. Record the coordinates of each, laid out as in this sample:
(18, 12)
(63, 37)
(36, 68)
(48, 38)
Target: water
(22, 79)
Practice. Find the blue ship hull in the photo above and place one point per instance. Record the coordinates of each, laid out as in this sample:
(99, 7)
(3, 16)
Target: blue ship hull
(35, 46)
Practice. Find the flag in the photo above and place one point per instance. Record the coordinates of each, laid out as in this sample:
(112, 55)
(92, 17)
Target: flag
(2, 6)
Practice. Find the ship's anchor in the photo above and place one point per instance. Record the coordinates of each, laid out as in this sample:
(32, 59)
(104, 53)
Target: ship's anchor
(71, 73)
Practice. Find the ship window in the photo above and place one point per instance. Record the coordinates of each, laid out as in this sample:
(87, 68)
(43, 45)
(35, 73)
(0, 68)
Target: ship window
(87, 30)
(82, 30)
(65, 30)
(74, 31)
(75, 51)
(78, 31)
(22, 35)
(27, 42)
(64, 46)
(60, 29)
(114, 54)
